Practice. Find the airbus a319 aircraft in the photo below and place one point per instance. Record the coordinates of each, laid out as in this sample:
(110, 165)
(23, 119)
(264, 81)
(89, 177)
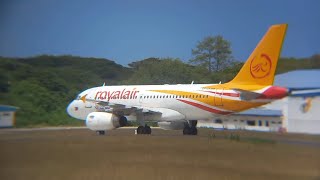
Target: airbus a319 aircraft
(177, 107)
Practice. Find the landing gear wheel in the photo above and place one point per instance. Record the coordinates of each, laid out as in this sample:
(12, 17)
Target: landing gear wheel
(144, 130)
(190, 129)
(147, 129)
(101, 132)
(140, 130)
(194, 131)
(186, 130)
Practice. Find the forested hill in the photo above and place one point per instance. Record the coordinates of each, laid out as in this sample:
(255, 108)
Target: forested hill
(43, 86)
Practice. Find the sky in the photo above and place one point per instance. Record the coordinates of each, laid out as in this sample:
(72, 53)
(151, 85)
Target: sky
(130, 30)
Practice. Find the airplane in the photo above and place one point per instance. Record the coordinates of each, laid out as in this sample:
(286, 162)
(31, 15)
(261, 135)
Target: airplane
(178, 107)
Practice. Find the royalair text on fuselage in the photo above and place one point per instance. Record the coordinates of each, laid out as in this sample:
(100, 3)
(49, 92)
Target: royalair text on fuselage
(120, 94)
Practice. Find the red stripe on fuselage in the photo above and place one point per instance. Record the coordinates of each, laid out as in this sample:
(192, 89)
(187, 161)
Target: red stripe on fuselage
(225, 93)
(204, 107)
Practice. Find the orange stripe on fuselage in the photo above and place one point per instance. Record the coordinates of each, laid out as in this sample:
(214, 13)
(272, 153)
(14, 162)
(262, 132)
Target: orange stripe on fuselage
(228, 104)
(205, 107)
(231, 86)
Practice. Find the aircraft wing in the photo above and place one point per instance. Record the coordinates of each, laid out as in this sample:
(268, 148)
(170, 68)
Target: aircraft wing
(121, 108)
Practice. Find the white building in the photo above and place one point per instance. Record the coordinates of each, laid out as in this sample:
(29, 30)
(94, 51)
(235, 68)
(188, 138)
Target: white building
(7, 116)
(297, 113)
(255, 119)
(301, 111)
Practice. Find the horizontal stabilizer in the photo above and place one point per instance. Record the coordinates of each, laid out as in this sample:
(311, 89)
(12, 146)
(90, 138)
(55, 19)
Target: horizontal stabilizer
(272, 92)
(247, 95)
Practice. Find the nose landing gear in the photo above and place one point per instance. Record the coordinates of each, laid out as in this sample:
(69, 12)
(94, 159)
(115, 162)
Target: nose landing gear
(101, 132)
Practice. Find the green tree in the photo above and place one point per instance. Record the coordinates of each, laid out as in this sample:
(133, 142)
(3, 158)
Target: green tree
(212, 52)
(164, 71)
(315, 61)
(43, 86)
(4, 83)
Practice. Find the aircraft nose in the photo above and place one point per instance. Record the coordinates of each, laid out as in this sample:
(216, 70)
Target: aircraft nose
(71, 109)
(79, 110)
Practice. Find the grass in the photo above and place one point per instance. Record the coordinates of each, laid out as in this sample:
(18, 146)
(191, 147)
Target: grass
(81, 154)
(260, 140)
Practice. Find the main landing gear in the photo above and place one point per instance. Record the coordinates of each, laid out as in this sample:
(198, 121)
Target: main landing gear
(190, 128)
(144, 130)
(101, 132)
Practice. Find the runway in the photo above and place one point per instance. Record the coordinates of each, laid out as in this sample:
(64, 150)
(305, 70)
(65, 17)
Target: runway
(53, 129)
(78, 153)
(39, 129)
(294, 139)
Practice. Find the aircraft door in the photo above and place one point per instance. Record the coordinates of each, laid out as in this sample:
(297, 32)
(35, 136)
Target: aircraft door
(140, 98)
(218, 97)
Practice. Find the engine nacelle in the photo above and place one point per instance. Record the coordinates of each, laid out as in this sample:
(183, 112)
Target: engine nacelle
(101, 121)
(174, 125)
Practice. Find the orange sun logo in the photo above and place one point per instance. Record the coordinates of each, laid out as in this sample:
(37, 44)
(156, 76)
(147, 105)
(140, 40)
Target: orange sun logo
(260, 67)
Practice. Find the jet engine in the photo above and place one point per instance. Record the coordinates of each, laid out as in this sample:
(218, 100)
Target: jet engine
(101, 121)
(174, 125)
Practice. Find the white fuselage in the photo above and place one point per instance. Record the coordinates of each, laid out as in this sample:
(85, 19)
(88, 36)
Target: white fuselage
(154, 97)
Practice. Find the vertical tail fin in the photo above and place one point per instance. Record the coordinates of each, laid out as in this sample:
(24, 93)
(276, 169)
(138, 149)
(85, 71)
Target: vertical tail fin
(261, 65)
